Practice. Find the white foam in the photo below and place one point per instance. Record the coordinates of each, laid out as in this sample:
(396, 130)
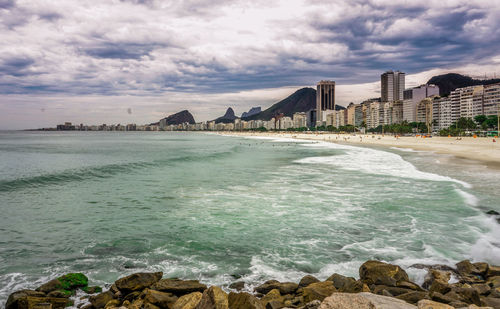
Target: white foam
(372, 161)
(469, 198)
(487, 247)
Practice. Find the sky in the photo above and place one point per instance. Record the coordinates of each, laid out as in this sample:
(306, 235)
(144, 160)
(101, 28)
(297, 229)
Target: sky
(137, 61)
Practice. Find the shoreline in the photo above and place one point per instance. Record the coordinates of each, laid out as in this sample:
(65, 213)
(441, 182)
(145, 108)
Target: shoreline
(380, 285)
(480, 149)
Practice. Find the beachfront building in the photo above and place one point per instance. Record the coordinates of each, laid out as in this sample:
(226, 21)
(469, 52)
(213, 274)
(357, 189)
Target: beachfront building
(471, 101)
(325, 100)
(372, 115)
(359, 115)
(411, 97)
(351, 113)
(392, 86)
(441, 113)
(285, 123)
(424, 111)
(491, 100)
(299, 120)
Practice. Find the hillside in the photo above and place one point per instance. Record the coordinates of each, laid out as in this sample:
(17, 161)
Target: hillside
(228, 117)
(451, 81)
(180, 117)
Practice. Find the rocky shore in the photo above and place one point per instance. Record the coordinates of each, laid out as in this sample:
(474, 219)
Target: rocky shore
(381, 285)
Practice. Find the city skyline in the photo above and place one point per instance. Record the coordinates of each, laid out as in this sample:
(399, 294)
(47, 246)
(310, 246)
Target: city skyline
(139, 61)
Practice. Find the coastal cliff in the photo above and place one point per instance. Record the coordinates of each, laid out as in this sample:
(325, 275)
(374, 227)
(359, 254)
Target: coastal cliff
(380, 285)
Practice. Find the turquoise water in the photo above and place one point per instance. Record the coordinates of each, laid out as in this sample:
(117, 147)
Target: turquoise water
(221, 209)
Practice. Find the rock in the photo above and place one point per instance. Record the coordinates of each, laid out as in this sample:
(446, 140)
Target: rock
(458, 304)
(179, 287)
(481, 288)
(306, 280)
(375, 272)
(311, 305)
(432, 275)
(283, 287)
(238, 286)
(50, 286)
(150, 306)
(440, 287)
(132, 296)
(137, 281)
(491, 302)
(446, 299)
(157, 298)
(136, 304)
(318, 291)
(273, 296)
(363, 301)
(100, 300)
(353, 287)
(493, 271)
(188, 301)
(274, 304)
(495, 292)
(468, 272)
(429, 304)
(468, 295)
(393, 291)
(14, 297)
(413, 297)
(92, 289)
(32, 302)
(492, 213)
(244, 301)
(482, 268)
(409, 285)
(59, 293)
(340, 281)
(213, 298)
(113, 303)
(494, 282)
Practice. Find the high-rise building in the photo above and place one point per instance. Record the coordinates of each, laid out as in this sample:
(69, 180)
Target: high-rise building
(325, 100)
(392, 86)
(413, 96)
(491, 101)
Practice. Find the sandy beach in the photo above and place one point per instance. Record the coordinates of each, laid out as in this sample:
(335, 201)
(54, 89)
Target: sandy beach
(479, 149)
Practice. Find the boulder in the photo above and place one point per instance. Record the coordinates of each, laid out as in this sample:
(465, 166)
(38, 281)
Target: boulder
(363, 301)
(179, 287)
(150, 306)
(311, 305)
(68, 282)
(306, 280)
(188, 301)
(14, 297)
(491, 302)
(318, 291)
(32, 302)
(375, 272)
(238, 285)
(392, 290)
(433, 274)
(274, 304)
(273, 296)
(244, 301)
(481, 288)
(467, 295)
(132, 296)
(440, 287)
(283, 287)
(113, 303)
(468, 272)
(413, 297)
(137, 281)
(481, 268)
(429, 304)
(493, 271)
(340, 281)
(92, 289)
(59, 294)
(446, 299)
(353, 287)
(157, 298)
(100, 300)
(136, 304)
(494, 282)
(213, 298)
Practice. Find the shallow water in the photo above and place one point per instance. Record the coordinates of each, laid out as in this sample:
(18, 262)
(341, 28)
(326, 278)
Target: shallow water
(220, 209)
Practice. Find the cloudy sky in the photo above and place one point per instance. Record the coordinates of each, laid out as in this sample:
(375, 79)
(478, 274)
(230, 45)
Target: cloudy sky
(137, 61)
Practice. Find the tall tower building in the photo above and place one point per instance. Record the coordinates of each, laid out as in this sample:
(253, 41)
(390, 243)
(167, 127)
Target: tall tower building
(325, 100)
(392, 86)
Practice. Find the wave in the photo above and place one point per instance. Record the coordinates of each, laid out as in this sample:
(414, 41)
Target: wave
(375, 162)
(100, 172)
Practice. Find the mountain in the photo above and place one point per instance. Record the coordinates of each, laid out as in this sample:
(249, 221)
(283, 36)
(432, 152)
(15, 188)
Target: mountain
(180, 117)
(451, 81)
(227, 118)
(301, 100)
(251, 112)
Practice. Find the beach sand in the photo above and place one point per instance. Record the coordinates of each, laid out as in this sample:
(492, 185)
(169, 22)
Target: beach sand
(480, 149)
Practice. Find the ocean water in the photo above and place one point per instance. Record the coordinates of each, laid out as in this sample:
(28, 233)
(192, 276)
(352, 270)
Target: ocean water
(222, 209)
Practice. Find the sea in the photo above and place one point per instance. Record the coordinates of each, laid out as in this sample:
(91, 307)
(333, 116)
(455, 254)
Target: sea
(222, 209)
